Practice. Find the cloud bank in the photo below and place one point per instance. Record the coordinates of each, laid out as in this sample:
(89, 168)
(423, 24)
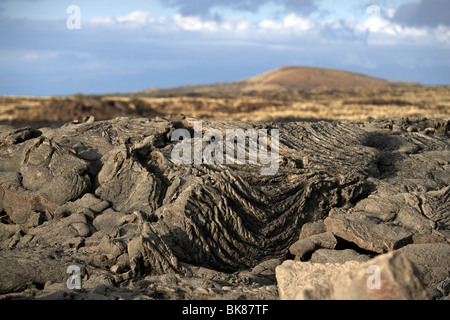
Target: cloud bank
(141, 48)
(204, 7)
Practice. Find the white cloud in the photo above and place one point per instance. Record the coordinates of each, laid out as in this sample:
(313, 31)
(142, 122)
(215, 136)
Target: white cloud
(236, 25)
(103, 20)
(442, 34)
(242, 26)
(134, 18)
(298, 23)
(290, 23)
(391, 13)
(139, 17)
(373, 31)
(270, 24)
(386, 32)
(191, 23)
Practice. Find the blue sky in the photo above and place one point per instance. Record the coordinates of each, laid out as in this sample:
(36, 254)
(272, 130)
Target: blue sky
(132, 45)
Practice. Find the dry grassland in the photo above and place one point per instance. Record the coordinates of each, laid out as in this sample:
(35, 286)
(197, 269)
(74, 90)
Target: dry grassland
(280, 105)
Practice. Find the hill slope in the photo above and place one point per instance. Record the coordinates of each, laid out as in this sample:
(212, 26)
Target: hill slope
(310, 78)
(285, 78)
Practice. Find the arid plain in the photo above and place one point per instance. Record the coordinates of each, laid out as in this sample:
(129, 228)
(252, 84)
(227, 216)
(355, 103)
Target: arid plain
(285, 94)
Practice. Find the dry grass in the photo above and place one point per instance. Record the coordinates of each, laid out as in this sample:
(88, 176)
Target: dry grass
(284, 105)
(318, 104)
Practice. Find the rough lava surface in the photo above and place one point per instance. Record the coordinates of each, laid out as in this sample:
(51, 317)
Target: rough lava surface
(105, 196)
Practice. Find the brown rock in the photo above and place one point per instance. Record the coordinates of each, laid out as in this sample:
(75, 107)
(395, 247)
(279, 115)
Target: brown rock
(305, 280)
(367, 232)
(337, 256)
(305, 246)
(387, 277)
(428, 254)
(398, 280)
(312, 228)
(7, 231)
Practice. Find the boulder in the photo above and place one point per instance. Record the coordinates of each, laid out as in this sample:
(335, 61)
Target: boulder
(337, 256)
(312, 228)
(387, 277)
(369, 233)
(308, 245)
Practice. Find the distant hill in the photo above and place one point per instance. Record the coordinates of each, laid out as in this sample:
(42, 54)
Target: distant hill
(286, 78)
(311, 78)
